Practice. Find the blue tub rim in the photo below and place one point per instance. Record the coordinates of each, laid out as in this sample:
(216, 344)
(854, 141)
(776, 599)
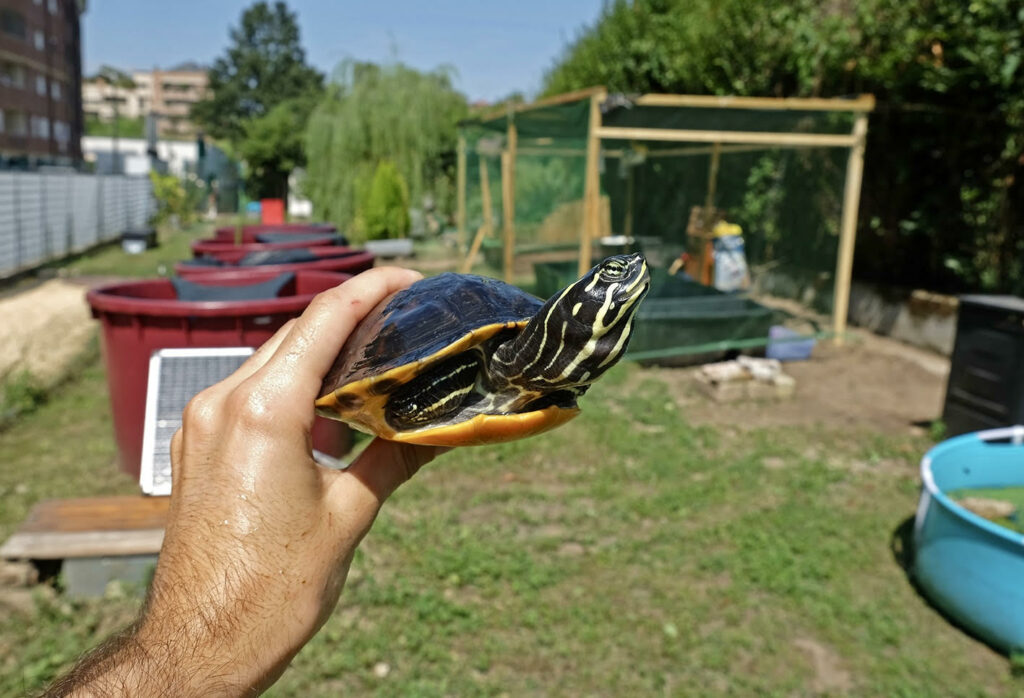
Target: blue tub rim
(1016, 436)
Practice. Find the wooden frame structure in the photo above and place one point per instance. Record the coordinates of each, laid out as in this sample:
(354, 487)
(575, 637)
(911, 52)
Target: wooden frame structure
(713, 142)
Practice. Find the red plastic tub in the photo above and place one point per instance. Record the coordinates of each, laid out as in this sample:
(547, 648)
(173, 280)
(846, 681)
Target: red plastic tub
(230, 252)
(336, 259)
(140, 317)
(249, 232)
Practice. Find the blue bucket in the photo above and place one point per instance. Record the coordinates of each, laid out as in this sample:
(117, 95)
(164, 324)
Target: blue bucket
(785, 344)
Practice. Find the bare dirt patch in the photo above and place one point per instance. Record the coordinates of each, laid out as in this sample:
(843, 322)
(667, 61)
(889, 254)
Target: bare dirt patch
(830, 677)
(870, 383)
(46, 329)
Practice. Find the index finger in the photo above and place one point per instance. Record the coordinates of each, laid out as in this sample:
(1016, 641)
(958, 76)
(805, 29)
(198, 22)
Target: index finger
(307, 353)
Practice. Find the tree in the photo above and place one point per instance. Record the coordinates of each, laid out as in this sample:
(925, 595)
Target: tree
(374, 113)
(264, 67)
(273, 147)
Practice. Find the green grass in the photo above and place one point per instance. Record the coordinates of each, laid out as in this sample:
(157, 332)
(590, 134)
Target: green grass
(627, 553)
(158, 261)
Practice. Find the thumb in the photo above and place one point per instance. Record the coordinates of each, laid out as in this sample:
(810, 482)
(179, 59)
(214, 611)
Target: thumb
(384, 465)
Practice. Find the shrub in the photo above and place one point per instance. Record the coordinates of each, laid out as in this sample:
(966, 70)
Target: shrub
(385, 210)
(172, 199)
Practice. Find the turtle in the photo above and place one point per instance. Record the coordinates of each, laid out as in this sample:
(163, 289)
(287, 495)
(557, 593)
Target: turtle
(460, 359)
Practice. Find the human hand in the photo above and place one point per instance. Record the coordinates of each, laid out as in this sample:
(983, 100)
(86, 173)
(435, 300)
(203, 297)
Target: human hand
(259, 536)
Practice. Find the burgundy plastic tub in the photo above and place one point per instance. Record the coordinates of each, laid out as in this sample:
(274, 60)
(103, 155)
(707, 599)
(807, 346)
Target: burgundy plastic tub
(140, 317)
(336, 259)
(249, 232)
(230, 252)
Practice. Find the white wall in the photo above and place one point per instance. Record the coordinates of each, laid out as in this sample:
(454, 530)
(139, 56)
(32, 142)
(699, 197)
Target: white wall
(132, 152)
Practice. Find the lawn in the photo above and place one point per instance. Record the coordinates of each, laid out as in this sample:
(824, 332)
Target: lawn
(636, 551)
(158, 261)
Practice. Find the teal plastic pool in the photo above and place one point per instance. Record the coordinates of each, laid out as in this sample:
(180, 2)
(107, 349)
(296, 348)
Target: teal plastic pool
(969, 567)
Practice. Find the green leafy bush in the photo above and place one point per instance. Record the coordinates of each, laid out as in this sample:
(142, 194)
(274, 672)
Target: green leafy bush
(385, 210)
(172, 199)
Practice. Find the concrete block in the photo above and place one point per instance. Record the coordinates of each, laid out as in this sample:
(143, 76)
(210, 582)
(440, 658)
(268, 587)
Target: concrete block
(88, 577)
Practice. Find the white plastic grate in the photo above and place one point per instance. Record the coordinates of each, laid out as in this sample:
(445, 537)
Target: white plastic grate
(175, 377)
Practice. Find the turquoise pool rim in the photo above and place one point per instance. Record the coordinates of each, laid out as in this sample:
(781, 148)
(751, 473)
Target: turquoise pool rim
(1016, 436)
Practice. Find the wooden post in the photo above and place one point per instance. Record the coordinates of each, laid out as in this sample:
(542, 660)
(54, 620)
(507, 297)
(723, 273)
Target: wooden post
(488, 227)
(508, 201)
(706, 254)
(630, 187)
(485, 196)
(716, 159)
(591, 185)
(460, 195)
(848, 228)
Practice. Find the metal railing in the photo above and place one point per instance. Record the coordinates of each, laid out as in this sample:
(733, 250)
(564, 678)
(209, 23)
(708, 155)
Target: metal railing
(45, 216)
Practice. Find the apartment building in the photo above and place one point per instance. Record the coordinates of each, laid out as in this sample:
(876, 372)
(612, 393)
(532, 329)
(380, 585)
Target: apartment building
(166, 94)
(40, 82)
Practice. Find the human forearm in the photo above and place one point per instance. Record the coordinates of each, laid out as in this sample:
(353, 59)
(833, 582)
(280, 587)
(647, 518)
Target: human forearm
(259, 536)
(164, 662)
(127, 666)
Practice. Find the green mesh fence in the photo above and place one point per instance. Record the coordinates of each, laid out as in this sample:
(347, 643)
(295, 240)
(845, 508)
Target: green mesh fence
(655, 198)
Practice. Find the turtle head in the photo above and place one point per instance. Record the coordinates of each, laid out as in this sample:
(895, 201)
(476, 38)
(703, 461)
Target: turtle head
(610, 292)
(580, 332)
(601, 306)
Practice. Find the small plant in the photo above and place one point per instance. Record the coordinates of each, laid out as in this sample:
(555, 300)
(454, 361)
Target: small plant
(172, 199)
(937, 430)
(19, 395)
(385, 210)
(1017, 664)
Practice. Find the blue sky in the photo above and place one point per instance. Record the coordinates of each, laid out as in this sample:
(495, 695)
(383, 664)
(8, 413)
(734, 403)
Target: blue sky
(496, 47)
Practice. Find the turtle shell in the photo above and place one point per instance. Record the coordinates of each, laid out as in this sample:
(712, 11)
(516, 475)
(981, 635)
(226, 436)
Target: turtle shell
(412, 330)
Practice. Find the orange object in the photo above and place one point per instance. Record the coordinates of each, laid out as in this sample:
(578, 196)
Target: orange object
(271, 211)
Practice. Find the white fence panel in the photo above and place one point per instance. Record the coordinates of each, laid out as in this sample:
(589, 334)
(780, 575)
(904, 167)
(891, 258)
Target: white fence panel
(9, 254)
(142, 203)
(57, 213)
(30, 218)
(85, 217)
(46, 215)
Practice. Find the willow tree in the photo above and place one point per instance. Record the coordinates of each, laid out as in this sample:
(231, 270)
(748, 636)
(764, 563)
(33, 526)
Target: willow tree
(374, 113)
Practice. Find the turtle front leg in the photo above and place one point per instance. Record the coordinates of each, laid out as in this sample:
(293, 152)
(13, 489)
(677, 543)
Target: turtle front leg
(434, 394)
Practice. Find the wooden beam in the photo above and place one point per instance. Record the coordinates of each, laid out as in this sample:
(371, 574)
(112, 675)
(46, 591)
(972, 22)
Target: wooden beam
(591, 184)
(554, 100)
(508, 203)
(460, 196)
(63, 528)
(467, 262)
(862, 103)
(704, 150)
(848, 229)
(565, 152)
(749, 137)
